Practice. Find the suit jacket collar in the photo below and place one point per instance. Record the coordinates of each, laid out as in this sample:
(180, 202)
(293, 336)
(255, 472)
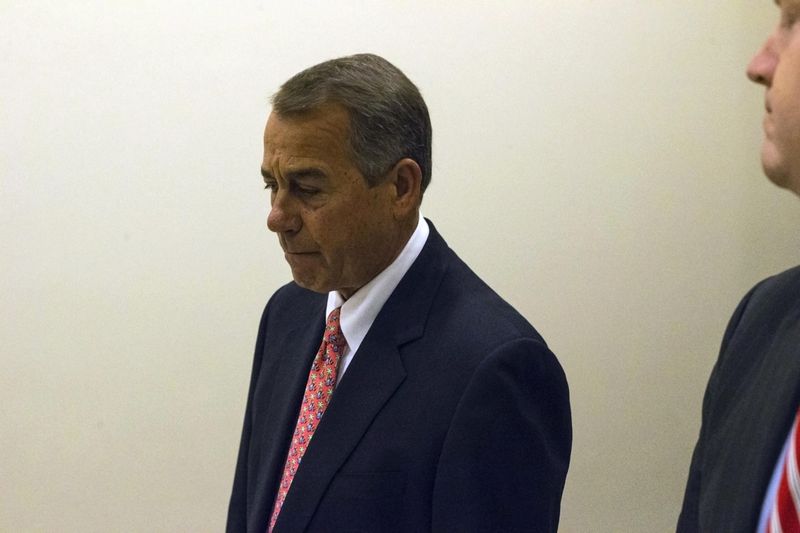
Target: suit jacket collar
(373, 376)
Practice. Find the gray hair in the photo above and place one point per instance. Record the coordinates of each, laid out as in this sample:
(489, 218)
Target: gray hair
(388, 117)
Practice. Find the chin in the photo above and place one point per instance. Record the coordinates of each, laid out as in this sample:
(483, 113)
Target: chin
(783, 179)
(774, 166)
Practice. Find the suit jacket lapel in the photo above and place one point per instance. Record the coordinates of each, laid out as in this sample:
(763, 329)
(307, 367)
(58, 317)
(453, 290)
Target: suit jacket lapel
(763, 402)
(356, 401)
(769, 421)
(372, 377)
(299, 346)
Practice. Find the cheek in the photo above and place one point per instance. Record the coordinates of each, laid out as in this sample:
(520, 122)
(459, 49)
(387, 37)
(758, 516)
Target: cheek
(785, 88)
(352, 245)
(331, 235)
(315, 224)
(787, 123)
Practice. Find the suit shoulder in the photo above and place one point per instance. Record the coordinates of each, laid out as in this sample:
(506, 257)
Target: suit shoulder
(773, 300)
(472, 311)
(764, 324)
(291, 300)
(780, 288)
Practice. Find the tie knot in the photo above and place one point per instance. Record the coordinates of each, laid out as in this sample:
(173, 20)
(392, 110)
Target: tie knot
(333, 331)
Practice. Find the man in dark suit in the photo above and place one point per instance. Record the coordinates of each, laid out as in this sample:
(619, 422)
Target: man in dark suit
(444, 410)
(743, 475)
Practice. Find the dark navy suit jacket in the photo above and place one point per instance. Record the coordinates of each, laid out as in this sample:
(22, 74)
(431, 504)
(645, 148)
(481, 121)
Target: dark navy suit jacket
(453, 415)
(748, 410)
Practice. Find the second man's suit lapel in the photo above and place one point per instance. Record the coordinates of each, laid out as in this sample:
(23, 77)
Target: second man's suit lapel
(759, 417)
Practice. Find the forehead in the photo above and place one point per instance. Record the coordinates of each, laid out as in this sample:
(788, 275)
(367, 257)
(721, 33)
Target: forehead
(324, 128)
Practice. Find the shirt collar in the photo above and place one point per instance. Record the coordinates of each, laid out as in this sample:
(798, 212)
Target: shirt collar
(359, 311)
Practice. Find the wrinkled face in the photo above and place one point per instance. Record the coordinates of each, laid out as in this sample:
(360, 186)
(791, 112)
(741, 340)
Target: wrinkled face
(777, 66)
(337, 233)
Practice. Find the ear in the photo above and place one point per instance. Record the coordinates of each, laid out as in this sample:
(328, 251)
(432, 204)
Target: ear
(406, 179)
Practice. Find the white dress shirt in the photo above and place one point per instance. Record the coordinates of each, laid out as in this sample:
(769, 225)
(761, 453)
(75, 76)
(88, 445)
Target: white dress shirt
(772, 488)
(359, 311)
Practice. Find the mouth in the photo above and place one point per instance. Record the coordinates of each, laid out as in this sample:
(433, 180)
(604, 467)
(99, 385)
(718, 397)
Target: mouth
(766, 127)
(300, 258)
(292, 249)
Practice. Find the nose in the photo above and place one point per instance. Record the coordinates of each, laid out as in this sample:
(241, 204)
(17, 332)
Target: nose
(762, 67)
(283, 215)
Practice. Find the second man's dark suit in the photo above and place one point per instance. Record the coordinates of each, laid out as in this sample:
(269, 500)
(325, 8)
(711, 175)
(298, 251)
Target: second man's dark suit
(453, 415)
(748, 410)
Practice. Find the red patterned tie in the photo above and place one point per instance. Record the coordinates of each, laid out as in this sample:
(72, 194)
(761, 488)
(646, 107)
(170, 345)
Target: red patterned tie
(319, 388)
(785, 515)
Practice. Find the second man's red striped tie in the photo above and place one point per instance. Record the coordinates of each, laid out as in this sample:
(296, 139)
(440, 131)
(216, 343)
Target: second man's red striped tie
(785, 514)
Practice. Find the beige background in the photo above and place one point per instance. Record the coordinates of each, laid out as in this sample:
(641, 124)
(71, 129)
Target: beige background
(596, 162)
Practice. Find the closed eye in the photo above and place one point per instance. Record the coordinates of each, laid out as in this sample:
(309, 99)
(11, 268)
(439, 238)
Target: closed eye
(305, 191)
(305, 184)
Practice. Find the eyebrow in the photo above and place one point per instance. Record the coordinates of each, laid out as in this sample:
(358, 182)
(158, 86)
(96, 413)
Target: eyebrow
(300, 173)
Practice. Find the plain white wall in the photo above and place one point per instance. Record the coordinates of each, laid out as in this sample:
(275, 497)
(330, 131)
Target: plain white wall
(595, 162)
